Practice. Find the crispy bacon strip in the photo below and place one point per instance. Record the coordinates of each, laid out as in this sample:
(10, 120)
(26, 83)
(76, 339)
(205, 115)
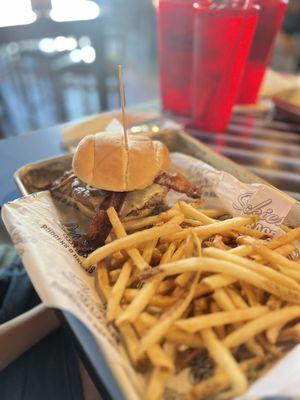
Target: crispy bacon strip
(100, 225)
(62, 180)
(178, 183)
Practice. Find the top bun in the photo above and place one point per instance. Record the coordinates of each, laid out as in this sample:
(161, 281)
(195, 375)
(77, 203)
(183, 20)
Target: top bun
(102, 161)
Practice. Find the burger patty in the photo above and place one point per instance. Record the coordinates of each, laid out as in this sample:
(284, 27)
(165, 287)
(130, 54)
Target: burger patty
(95, 202)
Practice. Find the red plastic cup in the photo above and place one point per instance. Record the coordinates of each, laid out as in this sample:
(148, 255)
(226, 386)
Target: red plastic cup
(222, 39)
(175, 44)
(269, 22)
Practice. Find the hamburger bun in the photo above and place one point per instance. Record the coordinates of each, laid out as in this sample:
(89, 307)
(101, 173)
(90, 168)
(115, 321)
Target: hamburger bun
(103, 162)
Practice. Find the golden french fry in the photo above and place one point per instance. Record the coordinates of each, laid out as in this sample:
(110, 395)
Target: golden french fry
(190, 212)
(291, 334)
(195, 324)
(179, 253)
(140, 301)
(156, 300)
(117, 291)
(192, 222)
(158, 379)
(260, 324)
(230, 300)
(253, 266)
(286, 238)
(198, 244)
(149, 249)
(220, 380)
(213, 213)
(224, 359)
(204, 264)
(275, 258)
(114, 274)
(174, 335)
(102, 284)
(120, 232)
(129, 241)
(214, 282)
(220, 329)
(158, 357)
(168, 254)
(166, 286)
(156, 333)
(139, 223)
(251, 232)
(242, 250)
(209, 230)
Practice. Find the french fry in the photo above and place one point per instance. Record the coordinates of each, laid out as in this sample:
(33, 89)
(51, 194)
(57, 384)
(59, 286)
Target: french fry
(120, 233)
(253, 266)
(129, 241)
(198, 244)
(205, 264)
(117, 291)
(275, 258)
(183, 278)
(192, 222)
(195, 324)
(156, 354)
(190, 212)
(149, 249)
(286, 238)
(102, 284)
(209, 230)
(140, 223)
(214, 282)
(168, 254)
(179, 253)
(165, 286)
(156, 385)
(260, 324)
(174, 335)
(291, 334)
(238, 302)
(224, 359)
(251, 232)
(130, 339)
(140, 301)
(220, 380)
(156, 333)
(114, 274)
(220, 329)
(214, 213)
(156, 300)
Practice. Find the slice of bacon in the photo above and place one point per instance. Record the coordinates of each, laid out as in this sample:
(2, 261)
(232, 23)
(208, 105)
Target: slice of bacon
(62, 180)
(100, 225)
(179, 183)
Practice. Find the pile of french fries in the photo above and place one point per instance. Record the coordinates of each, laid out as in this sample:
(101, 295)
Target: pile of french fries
(187, 284)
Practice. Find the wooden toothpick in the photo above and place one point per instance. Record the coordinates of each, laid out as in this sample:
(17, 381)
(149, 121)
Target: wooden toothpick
(122, 97)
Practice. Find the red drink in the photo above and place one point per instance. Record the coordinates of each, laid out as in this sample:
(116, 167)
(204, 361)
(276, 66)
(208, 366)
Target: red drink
(269, 22)
(175, 35)
(222, 39)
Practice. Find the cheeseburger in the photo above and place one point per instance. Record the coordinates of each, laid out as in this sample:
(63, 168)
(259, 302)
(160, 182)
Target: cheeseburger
(133, 179)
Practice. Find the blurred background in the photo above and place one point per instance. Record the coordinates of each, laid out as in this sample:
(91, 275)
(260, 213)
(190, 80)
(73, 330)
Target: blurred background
(58, 58)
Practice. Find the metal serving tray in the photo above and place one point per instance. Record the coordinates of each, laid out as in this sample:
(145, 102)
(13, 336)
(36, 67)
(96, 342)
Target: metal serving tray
(32, 177)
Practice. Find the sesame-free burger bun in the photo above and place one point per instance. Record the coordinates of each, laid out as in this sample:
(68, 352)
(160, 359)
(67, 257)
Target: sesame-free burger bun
(102, 161)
